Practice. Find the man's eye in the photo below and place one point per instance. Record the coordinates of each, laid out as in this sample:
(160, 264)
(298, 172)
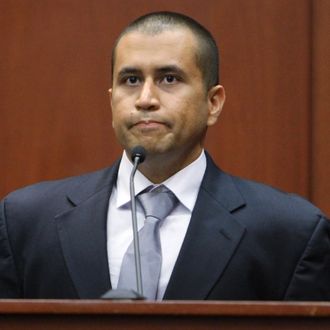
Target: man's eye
(170, 79)
(132, 80)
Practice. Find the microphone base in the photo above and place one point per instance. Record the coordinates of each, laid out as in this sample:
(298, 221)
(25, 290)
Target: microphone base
(122, 294)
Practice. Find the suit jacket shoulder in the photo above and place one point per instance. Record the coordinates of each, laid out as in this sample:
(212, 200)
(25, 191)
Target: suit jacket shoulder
(53, 238)
(77, 187)
(252, 242)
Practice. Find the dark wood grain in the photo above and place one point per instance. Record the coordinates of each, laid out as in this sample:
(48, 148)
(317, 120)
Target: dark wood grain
(162, 315)
(55, 114)
(320, 174)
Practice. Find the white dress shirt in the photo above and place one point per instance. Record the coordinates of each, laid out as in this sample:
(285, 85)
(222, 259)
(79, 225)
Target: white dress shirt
(184, 184)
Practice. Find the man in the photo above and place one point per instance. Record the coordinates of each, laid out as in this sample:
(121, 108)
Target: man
(226, 238)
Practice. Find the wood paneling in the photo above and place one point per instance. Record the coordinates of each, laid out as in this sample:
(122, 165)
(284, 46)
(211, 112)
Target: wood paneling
(320, 119)
(172, 315)
(55, 117)
(264, 133)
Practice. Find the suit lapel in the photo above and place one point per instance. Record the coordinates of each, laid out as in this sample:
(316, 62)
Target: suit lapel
(82, 233)
(211, 240)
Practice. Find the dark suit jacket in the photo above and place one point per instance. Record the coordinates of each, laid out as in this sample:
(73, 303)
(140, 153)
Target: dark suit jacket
(245, 241)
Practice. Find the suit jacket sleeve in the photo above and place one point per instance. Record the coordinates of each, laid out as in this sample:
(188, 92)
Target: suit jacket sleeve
(311, 277)
(9, 287)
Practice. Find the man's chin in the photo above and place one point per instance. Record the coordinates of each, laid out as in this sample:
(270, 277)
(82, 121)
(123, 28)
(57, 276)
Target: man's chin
(151, 147)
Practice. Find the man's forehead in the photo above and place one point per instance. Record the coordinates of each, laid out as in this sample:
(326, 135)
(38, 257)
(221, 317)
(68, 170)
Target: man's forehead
(136, 40)
(170, 45)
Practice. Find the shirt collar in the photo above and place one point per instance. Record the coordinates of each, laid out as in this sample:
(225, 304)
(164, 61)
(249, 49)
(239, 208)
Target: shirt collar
(184, 184)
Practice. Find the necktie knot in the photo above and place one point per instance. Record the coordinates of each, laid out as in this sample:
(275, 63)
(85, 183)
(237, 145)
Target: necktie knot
(158, 203)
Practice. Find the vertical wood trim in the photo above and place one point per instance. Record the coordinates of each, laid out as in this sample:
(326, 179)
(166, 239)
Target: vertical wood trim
(320, 84)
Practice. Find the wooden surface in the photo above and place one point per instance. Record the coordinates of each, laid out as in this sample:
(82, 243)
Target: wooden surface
(320, 84)
(35, 314)
(55, 113)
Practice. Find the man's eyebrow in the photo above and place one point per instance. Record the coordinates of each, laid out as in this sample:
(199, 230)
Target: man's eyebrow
(160, 70)
(170, 69)
(128, 70)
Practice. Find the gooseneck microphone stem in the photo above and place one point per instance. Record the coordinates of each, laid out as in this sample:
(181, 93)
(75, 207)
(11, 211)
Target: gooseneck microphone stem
(138, 155)
(135, 229)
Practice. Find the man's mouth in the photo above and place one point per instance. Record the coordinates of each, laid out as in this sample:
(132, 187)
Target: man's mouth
(149, 124)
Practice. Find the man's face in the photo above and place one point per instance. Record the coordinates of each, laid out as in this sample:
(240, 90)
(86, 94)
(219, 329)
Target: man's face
(158, 96)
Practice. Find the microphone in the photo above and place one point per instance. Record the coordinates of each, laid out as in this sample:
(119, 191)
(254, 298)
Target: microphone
(138, 152)
(138, 155)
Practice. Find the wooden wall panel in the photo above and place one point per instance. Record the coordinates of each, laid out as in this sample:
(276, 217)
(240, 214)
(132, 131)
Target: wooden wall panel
(320, 85)
(55, 117)
(264, 134)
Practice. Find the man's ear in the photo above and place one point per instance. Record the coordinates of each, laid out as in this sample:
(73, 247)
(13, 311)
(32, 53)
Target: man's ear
(110, 98)
(216, 99)
(110, 95)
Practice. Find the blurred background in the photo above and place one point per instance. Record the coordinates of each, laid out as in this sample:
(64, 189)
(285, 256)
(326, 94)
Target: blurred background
(55, 73)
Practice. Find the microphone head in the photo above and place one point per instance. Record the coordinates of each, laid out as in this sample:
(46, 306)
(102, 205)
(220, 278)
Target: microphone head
(138, 152)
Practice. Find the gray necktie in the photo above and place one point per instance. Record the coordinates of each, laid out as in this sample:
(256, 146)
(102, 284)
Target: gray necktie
(157, 205)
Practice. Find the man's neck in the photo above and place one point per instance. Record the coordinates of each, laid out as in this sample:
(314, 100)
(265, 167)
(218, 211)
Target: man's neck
(158, 168)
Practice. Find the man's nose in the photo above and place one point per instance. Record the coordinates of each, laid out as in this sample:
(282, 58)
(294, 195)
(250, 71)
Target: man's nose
(148, 97)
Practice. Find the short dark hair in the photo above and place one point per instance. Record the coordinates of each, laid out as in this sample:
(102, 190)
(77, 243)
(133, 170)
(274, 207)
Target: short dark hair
(207, 54)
